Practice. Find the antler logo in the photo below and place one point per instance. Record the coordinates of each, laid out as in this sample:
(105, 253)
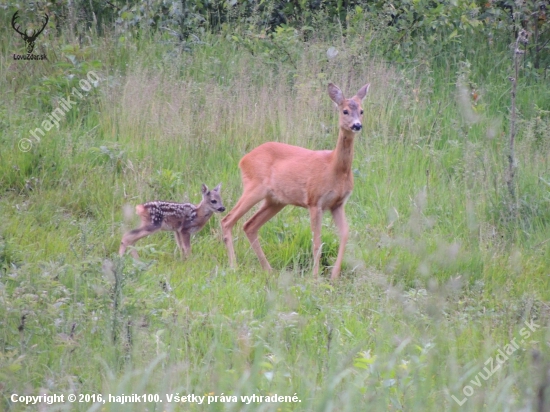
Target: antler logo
(29, 40)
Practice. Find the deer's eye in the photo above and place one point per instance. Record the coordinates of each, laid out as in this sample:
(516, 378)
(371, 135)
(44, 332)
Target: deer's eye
(361, 111)
(214, 201)
(346, 112)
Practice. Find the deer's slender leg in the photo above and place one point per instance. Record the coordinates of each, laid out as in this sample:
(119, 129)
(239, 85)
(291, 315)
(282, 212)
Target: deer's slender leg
(316, 216)
(339, 216)
(133, 236)
(251, 227)
(179, 241)
(245, 203)
(184, 242)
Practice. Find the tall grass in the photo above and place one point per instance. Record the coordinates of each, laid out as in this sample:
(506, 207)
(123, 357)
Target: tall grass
(436, 279)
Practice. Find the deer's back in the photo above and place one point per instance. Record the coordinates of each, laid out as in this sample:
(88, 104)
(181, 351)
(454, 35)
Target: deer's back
(171, 216)
(272, 157)
(294, 175)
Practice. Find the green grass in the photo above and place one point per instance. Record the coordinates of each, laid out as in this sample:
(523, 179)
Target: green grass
(437, 275)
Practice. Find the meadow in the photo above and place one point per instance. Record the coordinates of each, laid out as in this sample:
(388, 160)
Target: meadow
(443, 269)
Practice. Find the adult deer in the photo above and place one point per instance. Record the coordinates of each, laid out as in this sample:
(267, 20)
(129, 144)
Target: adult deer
(319, 180)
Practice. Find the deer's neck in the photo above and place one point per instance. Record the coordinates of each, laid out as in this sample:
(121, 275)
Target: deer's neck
(203, 213)
(342, 156)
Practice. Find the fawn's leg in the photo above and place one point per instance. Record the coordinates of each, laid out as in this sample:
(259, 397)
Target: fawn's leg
(184, 242)
(339, 216)
(133, 236)
(248, 199)
(179, 241)
(316, 216)
(251, 227)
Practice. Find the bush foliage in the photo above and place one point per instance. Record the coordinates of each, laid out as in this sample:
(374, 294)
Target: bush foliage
(405, 28)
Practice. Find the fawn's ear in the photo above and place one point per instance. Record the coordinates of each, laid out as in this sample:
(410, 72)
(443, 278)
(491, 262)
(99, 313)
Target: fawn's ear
(363, 91)
(335, 94)
(204, 189)
(217, 188)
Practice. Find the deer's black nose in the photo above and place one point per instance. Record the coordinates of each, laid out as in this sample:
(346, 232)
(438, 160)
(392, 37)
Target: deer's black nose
(356, 127)
(221, 209)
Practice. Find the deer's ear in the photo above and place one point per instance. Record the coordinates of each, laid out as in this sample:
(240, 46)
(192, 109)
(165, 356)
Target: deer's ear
(217, 188)
(335, 94)
(204, 189)
(363, 91)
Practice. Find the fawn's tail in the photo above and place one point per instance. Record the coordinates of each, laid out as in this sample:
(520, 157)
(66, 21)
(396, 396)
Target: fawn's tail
(141, 211)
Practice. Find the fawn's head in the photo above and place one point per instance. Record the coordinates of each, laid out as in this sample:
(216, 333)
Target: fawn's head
(212, 198)
(350, 110)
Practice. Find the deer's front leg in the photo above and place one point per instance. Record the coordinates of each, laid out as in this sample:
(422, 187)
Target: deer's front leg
(184, 242)
(179, 241)
(341, 223)
(316, 216)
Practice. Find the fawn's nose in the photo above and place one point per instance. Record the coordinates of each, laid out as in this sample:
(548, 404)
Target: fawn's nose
(221, 209)
(356, 127)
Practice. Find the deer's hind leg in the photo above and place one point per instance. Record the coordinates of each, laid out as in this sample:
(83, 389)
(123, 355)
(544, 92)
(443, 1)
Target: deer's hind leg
(252, 225)
(133, 236)
(249, 198)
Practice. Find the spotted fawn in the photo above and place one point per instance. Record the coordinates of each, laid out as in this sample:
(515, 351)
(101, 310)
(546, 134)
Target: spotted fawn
(181, 218)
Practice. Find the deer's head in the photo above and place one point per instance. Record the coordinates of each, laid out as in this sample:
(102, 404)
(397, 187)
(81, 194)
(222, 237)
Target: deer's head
(29, 39)
(212, 198)
(350, 110)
